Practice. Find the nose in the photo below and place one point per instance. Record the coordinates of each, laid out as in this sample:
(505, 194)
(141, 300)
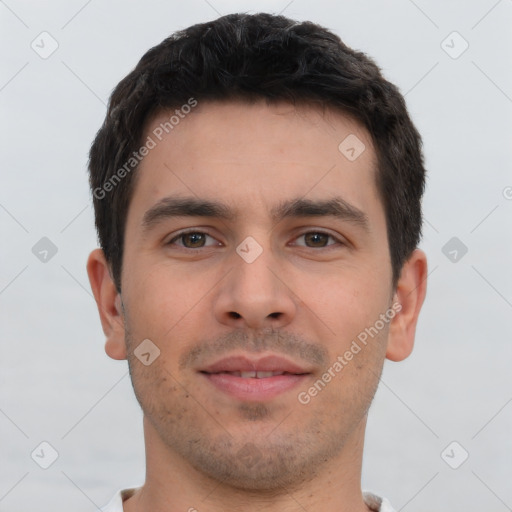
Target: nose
(255, 295)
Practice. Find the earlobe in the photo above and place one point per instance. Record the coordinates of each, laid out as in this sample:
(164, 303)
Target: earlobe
(410, 294)
(108, 302)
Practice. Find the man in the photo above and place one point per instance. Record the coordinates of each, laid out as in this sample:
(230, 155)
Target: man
(257, 188)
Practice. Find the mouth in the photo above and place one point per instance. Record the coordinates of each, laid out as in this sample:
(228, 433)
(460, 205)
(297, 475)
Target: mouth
(248, 379)
(253, 374)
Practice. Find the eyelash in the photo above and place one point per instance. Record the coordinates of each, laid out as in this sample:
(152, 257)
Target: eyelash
(319, 232)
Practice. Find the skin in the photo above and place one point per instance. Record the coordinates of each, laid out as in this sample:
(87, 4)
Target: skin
(304, 296)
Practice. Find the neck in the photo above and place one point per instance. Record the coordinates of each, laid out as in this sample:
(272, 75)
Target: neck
(173, 485)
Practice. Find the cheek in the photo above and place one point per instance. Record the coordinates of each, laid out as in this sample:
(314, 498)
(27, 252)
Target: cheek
(159, 298)
(346, 302)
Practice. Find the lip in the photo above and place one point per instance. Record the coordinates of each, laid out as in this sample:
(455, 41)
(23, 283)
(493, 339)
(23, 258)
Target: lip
(270, 363)
(252, 388)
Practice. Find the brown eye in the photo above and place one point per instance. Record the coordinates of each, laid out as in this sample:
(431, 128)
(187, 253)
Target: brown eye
(193, 240)
(316, 239)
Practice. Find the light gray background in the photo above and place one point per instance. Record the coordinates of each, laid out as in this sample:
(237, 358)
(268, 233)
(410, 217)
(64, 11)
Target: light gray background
(57, 384)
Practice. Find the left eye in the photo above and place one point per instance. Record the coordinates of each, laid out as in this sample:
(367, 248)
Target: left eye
(316, 239)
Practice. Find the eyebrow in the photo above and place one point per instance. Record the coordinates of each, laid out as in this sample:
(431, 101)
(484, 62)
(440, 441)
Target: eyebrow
(170, 207)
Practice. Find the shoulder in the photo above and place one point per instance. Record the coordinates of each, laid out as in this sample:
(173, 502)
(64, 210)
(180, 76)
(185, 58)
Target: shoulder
(376, 503)
(116, 503)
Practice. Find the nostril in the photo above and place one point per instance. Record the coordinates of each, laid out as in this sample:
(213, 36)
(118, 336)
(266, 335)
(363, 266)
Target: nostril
(234, 314)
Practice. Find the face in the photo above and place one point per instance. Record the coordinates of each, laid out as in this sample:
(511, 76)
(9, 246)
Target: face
(255, 256)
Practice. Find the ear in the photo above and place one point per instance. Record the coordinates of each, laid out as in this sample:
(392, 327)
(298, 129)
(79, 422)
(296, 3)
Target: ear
(108, 301)
(408, 299)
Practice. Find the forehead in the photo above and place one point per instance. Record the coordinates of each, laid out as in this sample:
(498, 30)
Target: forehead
(281, 129)
(256, 155)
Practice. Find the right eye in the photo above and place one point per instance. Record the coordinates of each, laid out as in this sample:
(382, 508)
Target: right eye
(192, 240)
